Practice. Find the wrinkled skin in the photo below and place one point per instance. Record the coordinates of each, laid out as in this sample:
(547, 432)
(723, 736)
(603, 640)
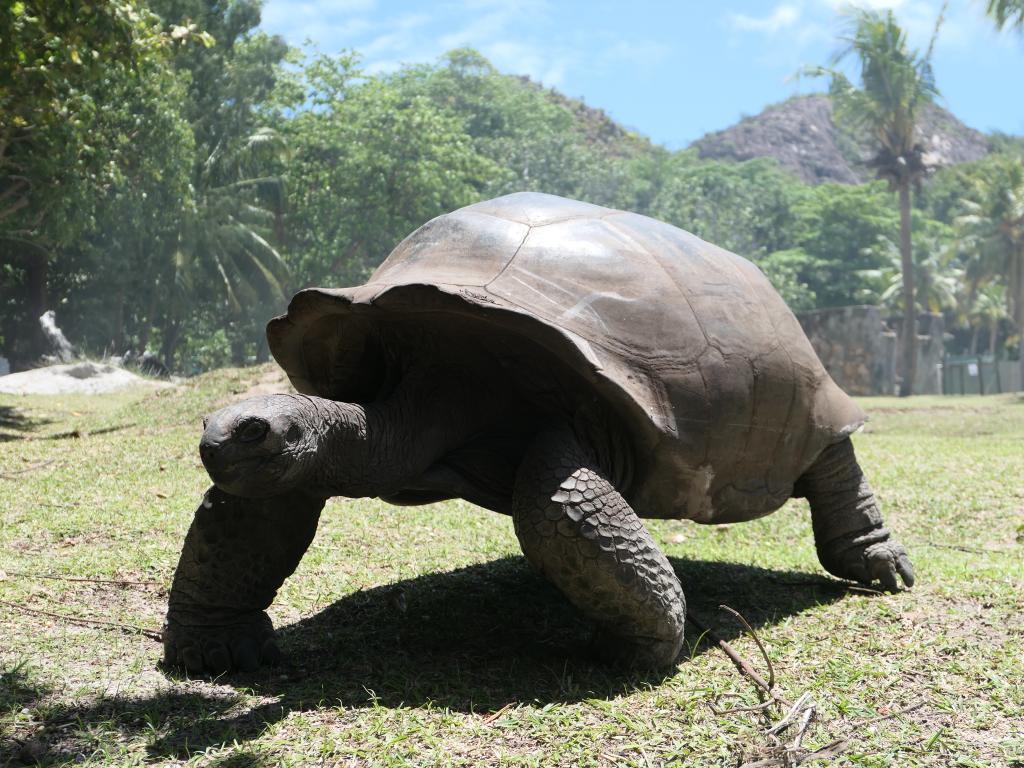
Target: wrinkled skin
(275, 460)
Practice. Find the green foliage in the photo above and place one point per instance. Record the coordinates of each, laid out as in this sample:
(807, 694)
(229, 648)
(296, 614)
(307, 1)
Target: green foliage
(787, 270)
(938, 274)
(992, 231)
(51, 157)
(370, 162)
(896, 82)
(169, 176)
(539, 140)
(223, 251)
(65, 140)
(841, 229)
(1006, 13)
(745, 207)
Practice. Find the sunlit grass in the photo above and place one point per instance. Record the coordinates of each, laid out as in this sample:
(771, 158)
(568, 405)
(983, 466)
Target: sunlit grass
(405, 628)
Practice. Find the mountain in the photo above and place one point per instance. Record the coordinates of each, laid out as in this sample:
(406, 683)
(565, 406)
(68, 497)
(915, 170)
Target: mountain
(802, 136)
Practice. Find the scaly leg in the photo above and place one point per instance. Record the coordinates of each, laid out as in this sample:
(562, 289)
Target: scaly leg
(576, 529)
(237, 554)
(848, 532)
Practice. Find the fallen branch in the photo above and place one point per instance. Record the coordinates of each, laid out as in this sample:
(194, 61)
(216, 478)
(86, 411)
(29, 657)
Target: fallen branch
(969, 550)
(30, 468)
(55, 577)
(131, 629)
(498, 713)
(741, 663)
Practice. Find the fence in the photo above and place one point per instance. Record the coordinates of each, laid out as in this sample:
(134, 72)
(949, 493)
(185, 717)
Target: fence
(979, 375)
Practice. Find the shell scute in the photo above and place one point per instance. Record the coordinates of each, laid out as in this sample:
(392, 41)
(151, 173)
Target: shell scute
(707, 372)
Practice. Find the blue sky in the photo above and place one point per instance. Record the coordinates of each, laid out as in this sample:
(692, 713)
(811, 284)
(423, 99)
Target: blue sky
(670, 70)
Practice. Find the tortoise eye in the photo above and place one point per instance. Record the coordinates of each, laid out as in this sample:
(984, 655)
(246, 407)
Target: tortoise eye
(252, 431)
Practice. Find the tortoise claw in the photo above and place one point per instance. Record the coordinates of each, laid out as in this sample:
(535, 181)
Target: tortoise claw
(883, 562)
(216, 649)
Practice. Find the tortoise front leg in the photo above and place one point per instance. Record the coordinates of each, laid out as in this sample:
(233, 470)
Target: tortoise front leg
(851, 541)
(237, 554)
(575, 527)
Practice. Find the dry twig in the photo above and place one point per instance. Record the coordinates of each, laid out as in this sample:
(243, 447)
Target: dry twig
(55, 577)
(29, 468)
(498, 713)
(768, 686)
(131, 629)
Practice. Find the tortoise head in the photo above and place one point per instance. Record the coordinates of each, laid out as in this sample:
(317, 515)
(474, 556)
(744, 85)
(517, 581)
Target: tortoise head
(262, 446)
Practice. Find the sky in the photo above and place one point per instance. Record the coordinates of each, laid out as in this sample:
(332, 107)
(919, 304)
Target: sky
(672, 71)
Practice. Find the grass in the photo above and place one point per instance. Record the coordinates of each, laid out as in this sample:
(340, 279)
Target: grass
(417, 636)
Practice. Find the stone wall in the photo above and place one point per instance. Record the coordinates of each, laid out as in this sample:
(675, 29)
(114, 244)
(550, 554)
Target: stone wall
(862, 355)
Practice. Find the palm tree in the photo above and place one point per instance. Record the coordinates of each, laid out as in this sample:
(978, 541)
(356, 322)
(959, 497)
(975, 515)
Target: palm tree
(1007, 13)
(992, 229)
(936, 275)
(895, 83)
(988, 309)
(225, 236)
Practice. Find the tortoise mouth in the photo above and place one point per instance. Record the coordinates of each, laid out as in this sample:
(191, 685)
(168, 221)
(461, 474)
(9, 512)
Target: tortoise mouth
(251, 476)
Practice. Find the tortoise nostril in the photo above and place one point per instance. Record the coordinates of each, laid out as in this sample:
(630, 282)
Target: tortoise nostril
(206, 451)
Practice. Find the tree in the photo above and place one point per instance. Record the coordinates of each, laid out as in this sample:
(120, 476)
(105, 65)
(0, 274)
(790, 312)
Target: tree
(56, 157)
(224, 252)
(838, 231)
(992, 229)
(988, 310)
(539, 139)
(895, 82)
(110, 282)
(745, 207)
(937, 272)
(1007, 13)
(371, 161)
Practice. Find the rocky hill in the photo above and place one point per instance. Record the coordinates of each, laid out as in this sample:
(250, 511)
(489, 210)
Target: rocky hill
(801, 134)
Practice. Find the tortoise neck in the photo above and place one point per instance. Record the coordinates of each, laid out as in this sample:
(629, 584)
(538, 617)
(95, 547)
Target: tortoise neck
(377, 449)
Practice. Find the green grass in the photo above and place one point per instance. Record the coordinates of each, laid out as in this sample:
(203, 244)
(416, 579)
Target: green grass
(406, 628)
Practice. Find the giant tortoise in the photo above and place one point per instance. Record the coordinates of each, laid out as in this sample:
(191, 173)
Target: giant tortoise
(575, 367)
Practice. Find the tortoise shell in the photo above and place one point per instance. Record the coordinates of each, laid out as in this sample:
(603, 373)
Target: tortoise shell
(713, 384)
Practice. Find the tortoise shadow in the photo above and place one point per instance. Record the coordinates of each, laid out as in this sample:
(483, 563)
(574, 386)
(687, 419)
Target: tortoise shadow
(476, 639)
(16, 425)
(470, 640)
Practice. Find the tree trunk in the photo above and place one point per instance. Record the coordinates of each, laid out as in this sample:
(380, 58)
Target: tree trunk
(262, 349)
(33, 343)
(1020, 387)
(909, 340)
(146, 323)
(1017, 283)
(118, 336)
(974, 339)
(238, 350)
(993, 333)
(171, 339)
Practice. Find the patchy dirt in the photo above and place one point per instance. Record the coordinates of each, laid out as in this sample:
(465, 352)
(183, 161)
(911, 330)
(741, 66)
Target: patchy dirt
(85, 377)
(271, 382)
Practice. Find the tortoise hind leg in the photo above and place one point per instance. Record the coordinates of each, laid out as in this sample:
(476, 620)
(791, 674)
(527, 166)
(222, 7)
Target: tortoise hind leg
(576, 528)
(237, 553)
(851, 541)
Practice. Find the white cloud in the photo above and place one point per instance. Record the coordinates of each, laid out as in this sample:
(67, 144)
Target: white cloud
(784, 15)
(404, 34)
(527, 59)
(339, 22)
